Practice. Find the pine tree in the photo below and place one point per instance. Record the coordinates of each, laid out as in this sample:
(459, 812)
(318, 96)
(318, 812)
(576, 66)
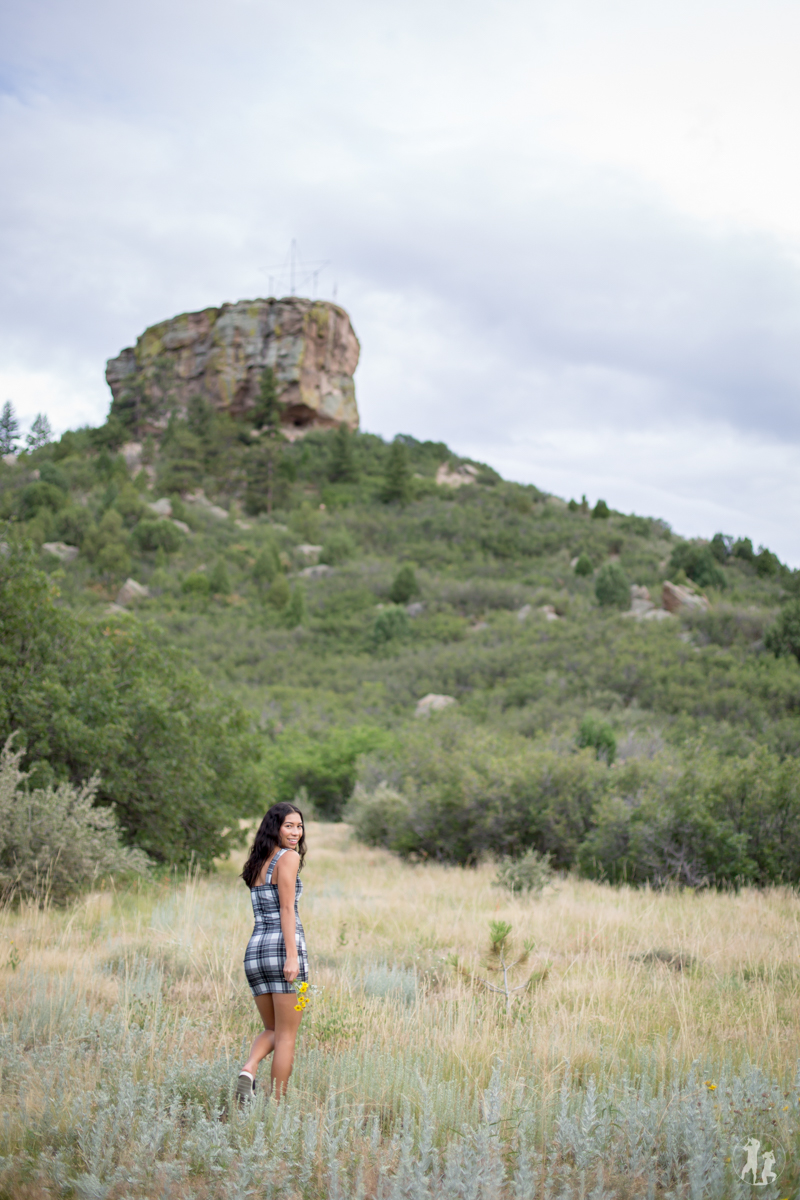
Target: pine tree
(267, 413)
(343, 466)
(9, 429)
(397, 481)
(40, 433)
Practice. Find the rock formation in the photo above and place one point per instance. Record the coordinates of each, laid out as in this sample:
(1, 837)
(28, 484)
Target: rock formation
(674, 598)
(220, 354)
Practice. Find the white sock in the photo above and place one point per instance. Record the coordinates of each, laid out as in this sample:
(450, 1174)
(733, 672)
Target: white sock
(252, 1078)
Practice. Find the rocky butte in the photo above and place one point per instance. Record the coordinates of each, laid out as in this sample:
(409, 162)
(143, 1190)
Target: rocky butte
(221, 353)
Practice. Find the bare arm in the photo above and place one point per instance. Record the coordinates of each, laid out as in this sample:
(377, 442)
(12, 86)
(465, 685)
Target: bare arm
(287, 875)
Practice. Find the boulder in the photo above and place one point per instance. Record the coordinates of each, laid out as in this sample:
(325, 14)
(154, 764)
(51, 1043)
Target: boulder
(433, 703)
(130, 592)
(549, 613)
(220, 354)
(674, 598)
(416, 609)
(184, 528)
(61, 550)
(456, 477)
(162, 507)
(316, 572)
(201, 500)
(310, 553)
(524, 612)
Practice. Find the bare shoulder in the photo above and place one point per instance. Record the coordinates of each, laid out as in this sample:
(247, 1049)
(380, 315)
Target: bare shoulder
(288, 864)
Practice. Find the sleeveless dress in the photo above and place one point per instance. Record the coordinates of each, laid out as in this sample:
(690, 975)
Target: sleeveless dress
(265, 956)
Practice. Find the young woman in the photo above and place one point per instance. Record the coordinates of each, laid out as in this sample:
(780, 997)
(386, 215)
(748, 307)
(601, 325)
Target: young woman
(275, 958)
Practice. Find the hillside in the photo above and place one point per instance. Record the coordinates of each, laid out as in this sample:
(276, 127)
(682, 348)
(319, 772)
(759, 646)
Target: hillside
(299, 614)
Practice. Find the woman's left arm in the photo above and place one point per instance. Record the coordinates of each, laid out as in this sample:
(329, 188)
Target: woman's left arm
(287, 876)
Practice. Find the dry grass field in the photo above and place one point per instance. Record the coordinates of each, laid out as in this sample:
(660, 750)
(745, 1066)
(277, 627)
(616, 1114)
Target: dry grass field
(660, 1030)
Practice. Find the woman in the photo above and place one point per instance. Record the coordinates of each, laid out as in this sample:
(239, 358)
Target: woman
(275, 958)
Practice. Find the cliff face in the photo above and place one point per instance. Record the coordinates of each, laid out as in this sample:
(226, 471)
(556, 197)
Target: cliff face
(220, 353)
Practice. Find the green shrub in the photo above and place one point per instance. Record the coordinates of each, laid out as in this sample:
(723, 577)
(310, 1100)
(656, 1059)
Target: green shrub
(721, 547)
(40, 495)
(389, 624)
(380, 818)
(219, 583)
(404, 586)
(155, 535)
(326, 766)
(279, 592)
(600, 736)
(611, 587)
(601, 510)
(783, 638)
(296, 608)
(767, 563)
(700, 564)
(337, 548)
(267, 566)
(342, 467)
(54, 841)
(530, 873)
(196, 584)
(584, 564)
(743, 549)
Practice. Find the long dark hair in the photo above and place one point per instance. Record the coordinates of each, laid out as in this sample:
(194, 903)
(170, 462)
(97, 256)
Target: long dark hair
(266, 840)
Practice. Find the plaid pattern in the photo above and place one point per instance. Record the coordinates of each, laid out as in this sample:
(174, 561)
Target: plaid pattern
(265, 956)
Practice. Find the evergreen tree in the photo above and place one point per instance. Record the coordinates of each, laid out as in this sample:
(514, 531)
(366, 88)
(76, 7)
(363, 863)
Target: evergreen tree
(397, 481)
(9, 429)
(296, 608)
(404, 586)
(343, 466)
(40, 433)
(266, 414)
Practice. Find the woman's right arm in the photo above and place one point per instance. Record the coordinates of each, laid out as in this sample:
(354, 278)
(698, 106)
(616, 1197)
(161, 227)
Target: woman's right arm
(287, 875)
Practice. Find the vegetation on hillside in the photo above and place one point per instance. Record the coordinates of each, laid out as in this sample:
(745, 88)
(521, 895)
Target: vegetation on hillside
(323, 587)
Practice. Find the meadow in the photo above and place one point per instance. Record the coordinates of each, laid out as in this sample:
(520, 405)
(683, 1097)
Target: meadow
(660, 1030)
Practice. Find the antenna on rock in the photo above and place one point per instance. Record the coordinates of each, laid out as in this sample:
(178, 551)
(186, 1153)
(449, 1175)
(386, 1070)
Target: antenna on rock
(296, 273)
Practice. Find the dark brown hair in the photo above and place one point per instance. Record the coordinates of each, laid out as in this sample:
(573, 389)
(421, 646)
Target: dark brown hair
(266, 840)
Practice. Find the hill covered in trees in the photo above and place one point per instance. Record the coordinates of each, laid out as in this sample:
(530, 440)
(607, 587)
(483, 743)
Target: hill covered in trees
(297, 600)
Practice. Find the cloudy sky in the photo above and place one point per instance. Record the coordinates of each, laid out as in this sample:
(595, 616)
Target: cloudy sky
(567, 233)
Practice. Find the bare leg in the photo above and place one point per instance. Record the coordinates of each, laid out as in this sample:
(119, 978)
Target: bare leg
(263, 1043)
(287, 1023)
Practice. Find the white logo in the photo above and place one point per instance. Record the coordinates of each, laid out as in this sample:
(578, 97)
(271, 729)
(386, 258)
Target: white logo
(756, 1161)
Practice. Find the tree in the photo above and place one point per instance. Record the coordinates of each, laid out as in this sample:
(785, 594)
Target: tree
(219, 583)
(296, 608)
(601, 510)
(600, 736)
(700, 564)
(9, 429)
(611, 587)
(584, 564)
(404, 585)
(397, 480)
(40, 433)
(783, 638)
(266, 414)
(343, 466)
(115, 698)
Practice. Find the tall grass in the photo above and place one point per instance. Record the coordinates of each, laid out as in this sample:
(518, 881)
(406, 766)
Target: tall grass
(665, 1033)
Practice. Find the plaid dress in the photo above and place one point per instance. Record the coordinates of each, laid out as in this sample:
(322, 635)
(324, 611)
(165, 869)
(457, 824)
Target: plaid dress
(265, 955)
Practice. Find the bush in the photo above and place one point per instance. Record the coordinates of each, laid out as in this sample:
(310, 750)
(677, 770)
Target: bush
(266, 567)
(783, 638)
(404, 586)
(601, 510)
(279, 593)
(700, 564)
(531, 873)
(196, 584)
(600, 736)
(157, 535)
(53, 841)
(721, 546)
(743, 549)
(584, 564)
(325, 766)
(389, 623)
(219, 583)
(397, 480)
(767, 563)
(611, 587)
(337, 548)
(296, 608)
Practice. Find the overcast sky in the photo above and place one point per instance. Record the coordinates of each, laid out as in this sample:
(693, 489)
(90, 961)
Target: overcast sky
(567, 233)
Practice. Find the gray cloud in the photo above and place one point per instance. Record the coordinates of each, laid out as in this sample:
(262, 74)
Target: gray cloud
(550, 313)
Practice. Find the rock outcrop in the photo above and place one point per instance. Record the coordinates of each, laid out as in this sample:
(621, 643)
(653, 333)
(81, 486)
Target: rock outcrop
(220, 354)
(674, 598)
(433, 702)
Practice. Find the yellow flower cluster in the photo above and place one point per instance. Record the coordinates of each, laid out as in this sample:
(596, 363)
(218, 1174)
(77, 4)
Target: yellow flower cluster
(303, 1000)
